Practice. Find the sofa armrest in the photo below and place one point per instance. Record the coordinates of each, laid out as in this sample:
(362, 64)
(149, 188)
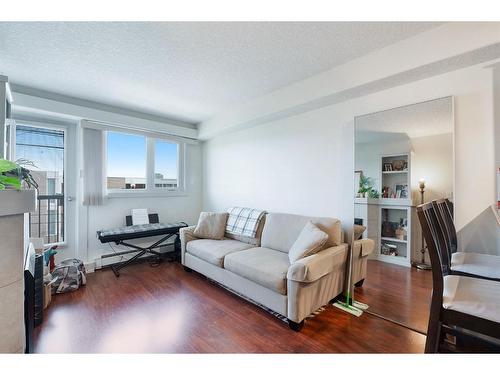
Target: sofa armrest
(186, 234)
(363, 247)
(315, 266)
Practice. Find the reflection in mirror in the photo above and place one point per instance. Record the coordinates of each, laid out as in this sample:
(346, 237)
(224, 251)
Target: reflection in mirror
(403, 157)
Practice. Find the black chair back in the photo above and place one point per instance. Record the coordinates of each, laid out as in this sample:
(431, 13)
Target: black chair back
(450, 207)
(445, 210)
(435, 244)
(445, 232)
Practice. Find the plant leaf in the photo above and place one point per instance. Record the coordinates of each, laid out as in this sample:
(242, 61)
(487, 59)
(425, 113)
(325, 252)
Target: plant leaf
(2, 186)
(6, 165)
(25, 163)
(12, 181)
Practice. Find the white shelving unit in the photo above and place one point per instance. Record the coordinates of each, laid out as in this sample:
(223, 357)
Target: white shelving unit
(388, 216)
(390, 239)
(394, 172)
(395, 210)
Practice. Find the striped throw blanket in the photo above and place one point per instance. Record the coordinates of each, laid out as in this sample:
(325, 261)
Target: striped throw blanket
(243, 221)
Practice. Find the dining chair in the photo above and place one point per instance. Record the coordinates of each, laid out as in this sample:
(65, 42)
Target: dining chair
(464, 309)
(465, 263)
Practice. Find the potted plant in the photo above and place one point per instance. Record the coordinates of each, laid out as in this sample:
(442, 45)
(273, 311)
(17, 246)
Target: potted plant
(372, 193)
(18, 188)
(364, 185)
(13, 174)
(366, 188)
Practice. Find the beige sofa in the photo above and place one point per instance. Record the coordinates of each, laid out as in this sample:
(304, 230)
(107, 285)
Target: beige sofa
(259, 268)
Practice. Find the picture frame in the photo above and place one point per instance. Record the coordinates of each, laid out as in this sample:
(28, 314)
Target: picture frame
(399, 165)
(387, 167)
(402, 191)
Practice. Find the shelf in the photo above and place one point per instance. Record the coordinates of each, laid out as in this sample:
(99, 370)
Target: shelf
(366, 200)
(400, 260)
(402, 202)
(391, 239)
(401, 257)
(394, 172)
(395, 201)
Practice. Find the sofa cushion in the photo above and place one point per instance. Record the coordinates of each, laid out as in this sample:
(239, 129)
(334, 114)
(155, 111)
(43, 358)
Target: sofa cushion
(468, 295)
(281, 230)
(211, 225)
(311, 240)
(485, 265)
(261, 265)
(214, 251)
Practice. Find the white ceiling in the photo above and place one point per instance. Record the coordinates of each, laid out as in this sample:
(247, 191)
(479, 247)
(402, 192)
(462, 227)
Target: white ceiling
(185, 71)
(418, 120)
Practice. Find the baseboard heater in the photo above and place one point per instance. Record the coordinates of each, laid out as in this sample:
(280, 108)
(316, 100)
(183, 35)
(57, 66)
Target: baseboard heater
(118, 253)
(133, 251)
(125, 252)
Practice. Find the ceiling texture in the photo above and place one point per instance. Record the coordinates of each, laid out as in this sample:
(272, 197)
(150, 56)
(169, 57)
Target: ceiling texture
(424, 119)
(187, 71)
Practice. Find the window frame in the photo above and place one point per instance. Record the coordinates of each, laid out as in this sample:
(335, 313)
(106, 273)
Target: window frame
(66, 165)
(151, 190)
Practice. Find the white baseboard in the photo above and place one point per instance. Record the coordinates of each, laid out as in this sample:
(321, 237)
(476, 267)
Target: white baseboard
(98, 263)
(89, 267)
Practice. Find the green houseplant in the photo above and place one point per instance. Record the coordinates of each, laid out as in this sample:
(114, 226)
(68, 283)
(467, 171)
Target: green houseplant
(13, 174)
(366, 187)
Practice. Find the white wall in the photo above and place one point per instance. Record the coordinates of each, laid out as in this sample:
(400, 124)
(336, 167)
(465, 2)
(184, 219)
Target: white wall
(301, 164)
(277, 170)
(432, 159)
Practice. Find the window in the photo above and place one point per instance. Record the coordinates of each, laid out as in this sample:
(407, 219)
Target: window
(141, 164)
(45, 148)
(127, 154)
(166, 164)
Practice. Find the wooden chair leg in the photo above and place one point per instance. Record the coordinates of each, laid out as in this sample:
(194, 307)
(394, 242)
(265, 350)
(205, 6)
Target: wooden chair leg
(433, 336)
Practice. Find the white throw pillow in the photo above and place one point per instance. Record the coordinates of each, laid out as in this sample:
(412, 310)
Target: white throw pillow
(211, 225)
(311, 240)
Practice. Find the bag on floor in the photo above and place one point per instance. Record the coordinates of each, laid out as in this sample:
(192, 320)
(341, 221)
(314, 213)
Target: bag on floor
(68, 276)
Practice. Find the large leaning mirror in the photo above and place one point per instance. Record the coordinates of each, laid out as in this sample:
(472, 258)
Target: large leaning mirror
(403, 157)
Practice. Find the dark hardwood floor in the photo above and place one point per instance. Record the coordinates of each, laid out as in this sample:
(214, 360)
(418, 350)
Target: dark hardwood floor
(398, 293)
(166, 310)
